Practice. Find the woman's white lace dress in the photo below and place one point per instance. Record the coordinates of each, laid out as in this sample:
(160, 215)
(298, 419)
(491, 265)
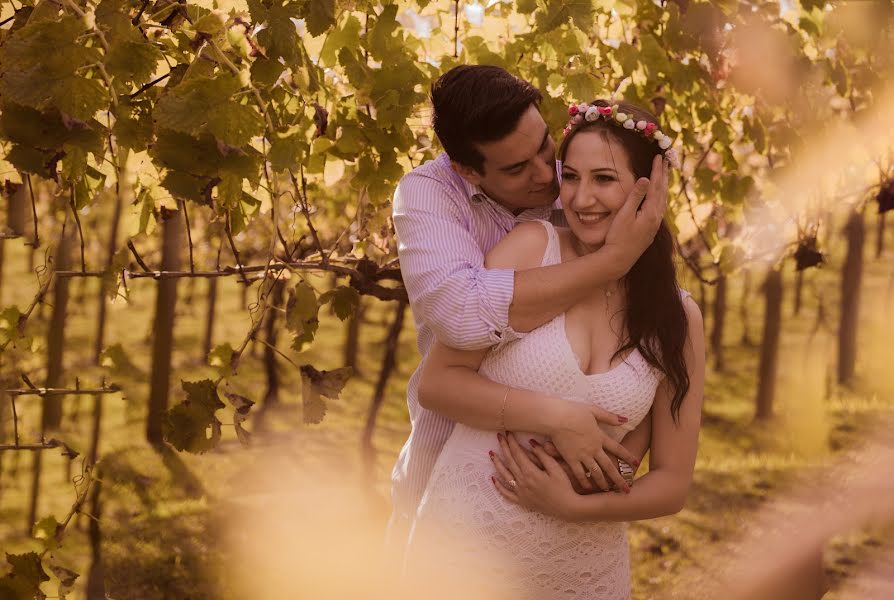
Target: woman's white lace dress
(469, 530)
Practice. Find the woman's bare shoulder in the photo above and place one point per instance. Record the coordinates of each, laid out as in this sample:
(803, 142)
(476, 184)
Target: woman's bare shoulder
(522, 248)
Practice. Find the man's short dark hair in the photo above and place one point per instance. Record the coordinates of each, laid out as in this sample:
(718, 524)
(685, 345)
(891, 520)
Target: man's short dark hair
(476, 104)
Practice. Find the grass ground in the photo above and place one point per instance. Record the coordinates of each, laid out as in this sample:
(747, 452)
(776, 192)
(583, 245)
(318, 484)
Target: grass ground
(168, 520)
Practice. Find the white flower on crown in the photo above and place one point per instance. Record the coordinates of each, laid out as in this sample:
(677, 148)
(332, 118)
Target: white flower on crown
(641, 125)
(664, 143)
(629, 124)
(592, 114)
(620, 117)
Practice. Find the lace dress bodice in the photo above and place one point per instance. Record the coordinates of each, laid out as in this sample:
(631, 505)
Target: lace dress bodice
(530, 555)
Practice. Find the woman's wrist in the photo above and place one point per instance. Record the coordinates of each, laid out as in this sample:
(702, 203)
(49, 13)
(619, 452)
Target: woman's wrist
(583, 508)
(561, 415)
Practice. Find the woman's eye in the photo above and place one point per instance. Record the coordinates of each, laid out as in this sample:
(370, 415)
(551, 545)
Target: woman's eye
(569, 176)
(604, 178)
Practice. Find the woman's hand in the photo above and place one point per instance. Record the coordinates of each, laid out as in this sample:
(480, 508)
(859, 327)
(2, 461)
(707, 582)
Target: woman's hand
(585, 447)
(522, 482)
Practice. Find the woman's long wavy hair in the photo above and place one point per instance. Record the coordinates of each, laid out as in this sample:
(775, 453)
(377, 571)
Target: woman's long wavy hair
(655, 320)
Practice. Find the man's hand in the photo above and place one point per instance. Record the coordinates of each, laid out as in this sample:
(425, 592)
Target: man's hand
(634, 227)
(551, 449)
(585, 447)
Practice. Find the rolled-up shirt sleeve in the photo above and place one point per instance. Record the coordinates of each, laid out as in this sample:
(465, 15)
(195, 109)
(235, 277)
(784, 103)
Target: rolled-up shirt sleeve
(466, 305)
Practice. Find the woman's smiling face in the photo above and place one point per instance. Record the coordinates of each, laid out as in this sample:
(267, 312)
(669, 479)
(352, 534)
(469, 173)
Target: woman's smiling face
(596, 178)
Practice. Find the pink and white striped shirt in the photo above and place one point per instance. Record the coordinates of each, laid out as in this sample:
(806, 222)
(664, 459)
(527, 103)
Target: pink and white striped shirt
(445, 227)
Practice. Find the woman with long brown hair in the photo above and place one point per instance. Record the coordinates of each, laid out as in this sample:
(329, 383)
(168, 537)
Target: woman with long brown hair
(505, 507)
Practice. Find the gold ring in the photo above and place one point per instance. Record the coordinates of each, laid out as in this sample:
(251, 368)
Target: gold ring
(589, 474)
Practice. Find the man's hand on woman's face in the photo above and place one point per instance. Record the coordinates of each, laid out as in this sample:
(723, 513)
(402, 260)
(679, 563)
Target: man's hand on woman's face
(634, 227)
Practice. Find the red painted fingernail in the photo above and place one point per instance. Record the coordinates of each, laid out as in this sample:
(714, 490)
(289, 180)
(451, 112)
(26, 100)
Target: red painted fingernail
(534, 442)
(491, 452)
(636, 463)
(622, 419)
(494, 481)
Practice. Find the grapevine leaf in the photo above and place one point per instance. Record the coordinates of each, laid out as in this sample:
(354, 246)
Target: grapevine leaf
(185, 186)
(280, 37)
(188, 106)
(314, 407)
(242, 406)
(186, 425)
(301, 314)
(348, 35)
(65, 576)
(45, 531)
(318, 384)
(321, 16)
(221, 358)
(265, 71)
(559, 12)
(286, 152)
(211, 23)
(344, 301)
(111, 276)
(133, 60)
(79, 97)
(23, 583)
(31, 160)
(11, 321)
(235, 124)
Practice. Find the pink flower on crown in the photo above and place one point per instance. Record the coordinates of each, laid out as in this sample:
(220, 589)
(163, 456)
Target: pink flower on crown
(573, 110)
(650, 129)
(566, 131)
(604, 110)
(578, 119)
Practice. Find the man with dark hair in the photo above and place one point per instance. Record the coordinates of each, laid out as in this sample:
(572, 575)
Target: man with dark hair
(498, 170)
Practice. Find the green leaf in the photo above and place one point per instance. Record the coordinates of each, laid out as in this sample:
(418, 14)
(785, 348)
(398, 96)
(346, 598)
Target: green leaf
(559, 12)
(118, 362)
(79, 97)
(222, 358)
(133, 61)
(23, 583)
(242, 406)
(186, 425)
(66, 577)
(315, 385)
(235, 124)
(45, 531)
(344, 301)
(30, 160)
(280, 37)
(265, 71)
(11, 322)
(211, 23)
(189, 105)
(286, 152)
(301, 308)
(321, 16)
(348, 35)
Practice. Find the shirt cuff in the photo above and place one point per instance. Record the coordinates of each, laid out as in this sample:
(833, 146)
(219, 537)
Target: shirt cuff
(501, 284)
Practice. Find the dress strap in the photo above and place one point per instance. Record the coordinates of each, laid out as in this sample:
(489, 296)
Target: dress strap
(553, 253)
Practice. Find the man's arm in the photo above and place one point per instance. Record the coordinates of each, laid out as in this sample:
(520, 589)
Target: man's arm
(465, 304)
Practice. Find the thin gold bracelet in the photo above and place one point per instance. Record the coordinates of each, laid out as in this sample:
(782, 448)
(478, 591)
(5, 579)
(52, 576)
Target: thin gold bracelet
(502, 422)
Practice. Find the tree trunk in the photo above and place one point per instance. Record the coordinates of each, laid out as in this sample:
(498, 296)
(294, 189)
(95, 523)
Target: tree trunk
(390, 359)
(52, 405)
(208, 342)
(766, 384)
(96, 580)
(352, 338)
(880, 235)
(271, 368)
(719, 322)
(163, 342)
(102, 301)
(743, 308)
(851, 278)
(799, 288)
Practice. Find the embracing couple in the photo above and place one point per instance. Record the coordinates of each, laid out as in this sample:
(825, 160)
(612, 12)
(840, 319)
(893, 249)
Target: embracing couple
(557, 347)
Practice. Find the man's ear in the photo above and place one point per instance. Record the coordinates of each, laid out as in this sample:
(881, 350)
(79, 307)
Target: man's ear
(467, 173)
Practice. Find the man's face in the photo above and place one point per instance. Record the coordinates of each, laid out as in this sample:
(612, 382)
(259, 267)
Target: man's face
(520, 169)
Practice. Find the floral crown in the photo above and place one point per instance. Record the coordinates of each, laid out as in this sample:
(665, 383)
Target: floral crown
(589, 112)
